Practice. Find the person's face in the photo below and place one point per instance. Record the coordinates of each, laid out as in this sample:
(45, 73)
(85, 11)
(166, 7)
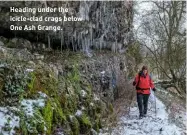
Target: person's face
(145, 72)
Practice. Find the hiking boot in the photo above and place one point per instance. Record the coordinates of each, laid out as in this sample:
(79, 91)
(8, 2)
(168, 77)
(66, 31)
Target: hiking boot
(141, 116)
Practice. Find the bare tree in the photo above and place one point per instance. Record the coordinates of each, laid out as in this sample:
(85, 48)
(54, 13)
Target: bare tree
(164, 29)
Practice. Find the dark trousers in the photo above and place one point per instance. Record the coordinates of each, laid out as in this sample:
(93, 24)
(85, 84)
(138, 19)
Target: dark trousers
(142, 100)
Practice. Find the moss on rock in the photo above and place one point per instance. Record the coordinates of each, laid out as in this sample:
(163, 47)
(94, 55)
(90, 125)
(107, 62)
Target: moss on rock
(85, 123)
(97, 123)
(64, 97)
(58, 115)
(74, 123)
(31, 84)
(23, 127)
(47, 114)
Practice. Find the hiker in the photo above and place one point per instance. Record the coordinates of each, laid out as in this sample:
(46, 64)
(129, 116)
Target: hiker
(143, 83)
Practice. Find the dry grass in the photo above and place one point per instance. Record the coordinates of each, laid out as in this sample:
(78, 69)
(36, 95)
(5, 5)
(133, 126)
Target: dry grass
(127, 96)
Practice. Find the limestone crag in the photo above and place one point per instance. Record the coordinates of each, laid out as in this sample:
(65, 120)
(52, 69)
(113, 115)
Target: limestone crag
(104, 24)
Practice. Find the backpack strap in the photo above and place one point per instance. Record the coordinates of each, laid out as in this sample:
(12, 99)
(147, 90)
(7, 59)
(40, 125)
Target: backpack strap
(138, 81)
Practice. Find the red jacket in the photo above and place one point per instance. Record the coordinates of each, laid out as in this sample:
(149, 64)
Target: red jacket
(145, 84)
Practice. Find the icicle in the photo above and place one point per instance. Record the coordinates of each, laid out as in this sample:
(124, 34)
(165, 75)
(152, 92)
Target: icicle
(84, 11)
(104, 6)
(72, 42)
(101, 42)
(67, 43)
(91, 35)
(75, 37)
(61, 44)
(86, 45)
(82, 41)
(100, 19)
(79, 40)
(49, 42)
(62, 39)
(97, 14)
(116, 45)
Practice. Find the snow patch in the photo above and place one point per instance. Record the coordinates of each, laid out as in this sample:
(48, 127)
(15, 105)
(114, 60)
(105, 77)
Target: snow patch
(83, 108)
(43, 95)
(83, 93)
(71, 117)
(28, 105)
(91, 104)
(153, 124)
(8, 121)
(78, 113)
(103, 72)
(29, 70)
(96, 98)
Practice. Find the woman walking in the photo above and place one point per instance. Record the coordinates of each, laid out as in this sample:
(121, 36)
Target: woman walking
(143, 83)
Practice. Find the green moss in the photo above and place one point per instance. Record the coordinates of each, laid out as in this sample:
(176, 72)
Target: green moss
(23, 127)
(32, 127)
(74, 123)
(58, 115)
(43, 120)
(72, 103)
(99, 120)
(40, 121)
(1, 87)
(41, 127)
(42, 80)
(92, 112)
(111, 108)
(85, 123)
(63, 99)
(97, 124)
(11, 44)
(98, 109)
(76, 76)
(73, 78)
(47, 113)
(1, 83)
(30, 85)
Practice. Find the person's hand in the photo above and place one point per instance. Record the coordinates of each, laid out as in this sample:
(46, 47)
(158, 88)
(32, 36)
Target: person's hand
(134, 83)
(154, 89)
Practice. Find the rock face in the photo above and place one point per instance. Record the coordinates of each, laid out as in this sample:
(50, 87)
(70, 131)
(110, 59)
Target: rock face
(105, 24)
(66, 94)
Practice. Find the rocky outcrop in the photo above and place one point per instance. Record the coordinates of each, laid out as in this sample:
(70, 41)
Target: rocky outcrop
(66, 93)
(106, 24)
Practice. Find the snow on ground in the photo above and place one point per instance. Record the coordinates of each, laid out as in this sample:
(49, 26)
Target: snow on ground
(28, 105)
(96, 98)
(8, 121)
(152, 124)
(83, 93)
(78, 113)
